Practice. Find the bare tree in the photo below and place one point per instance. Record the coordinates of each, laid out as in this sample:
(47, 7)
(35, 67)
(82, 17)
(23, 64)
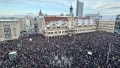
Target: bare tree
(61, 14)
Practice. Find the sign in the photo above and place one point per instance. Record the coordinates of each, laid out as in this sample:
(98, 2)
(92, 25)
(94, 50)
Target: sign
(89, 52)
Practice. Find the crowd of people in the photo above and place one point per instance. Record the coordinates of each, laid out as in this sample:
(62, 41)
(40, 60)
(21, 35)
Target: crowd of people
(87, 50)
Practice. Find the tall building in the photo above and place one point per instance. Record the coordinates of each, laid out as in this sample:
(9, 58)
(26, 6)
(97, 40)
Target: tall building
(9, 29)
(27, 25)
(79, 8)
(110, 23)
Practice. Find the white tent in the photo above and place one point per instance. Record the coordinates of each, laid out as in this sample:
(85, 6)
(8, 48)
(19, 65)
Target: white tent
(13, 55)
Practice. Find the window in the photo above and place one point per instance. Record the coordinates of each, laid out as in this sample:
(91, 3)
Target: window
(63, 24)
(56, 32)
(58, 27)
(53, 27)
(53, 24)
(63, 27)
(14, 34)
(48, 32)
(48, 27)
(6, 24)
(7, 35)
(59, 31)
(13, 28)
(51, 32)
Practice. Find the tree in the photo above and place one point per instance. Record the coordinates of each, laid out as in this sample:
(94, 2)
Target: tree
(45, 14)
(67, 14)
(61, 14)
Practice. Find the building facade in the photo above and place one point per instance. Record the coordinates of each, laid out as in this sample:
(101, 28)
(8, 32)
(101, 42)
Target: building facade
(52, 26)
(9, 29)
(117, 25)
(61, 26)
(79, 9)
(107, 23)
(12, 28)
(27, 25)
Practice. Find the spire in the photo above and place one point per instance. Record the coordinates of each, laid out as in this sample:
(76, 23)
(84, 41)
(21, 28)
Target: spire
(71, 6)
(40, 13)
(71, 10)
(40, 8)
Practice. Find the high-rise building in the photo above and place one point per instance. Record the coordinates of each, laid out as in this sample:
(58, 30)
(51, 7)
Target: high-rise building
(79, 8)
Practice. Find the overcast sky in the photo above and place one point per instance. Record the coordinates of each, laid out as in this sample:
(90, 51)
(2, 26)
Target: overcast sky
(55, 7)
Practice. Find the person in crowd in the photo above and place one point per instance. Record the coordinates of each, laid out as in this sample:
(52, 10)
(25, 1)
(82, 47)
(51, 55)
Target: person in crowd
(86, 50)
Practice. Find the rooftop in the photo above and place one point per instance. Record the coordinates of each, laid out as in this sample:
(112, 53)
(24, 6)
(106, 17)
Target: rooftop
(49, 19)
(8, 20)
(108, 18)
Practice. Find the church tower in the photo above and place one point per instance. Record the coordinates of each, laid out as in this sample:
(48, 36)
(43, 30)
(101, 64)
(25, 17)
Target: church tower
(71, 11)
(40, 13)
(70, 25)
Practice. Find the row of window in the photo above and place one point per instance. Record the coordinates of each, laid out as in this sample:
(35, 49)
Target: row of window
(6, 24)
(66, 31)
(106, 23)
(67, 27)
(85, 29)
(106, 26)
(117, 27)
(105, 29)
(7, 32)
(56, 32)
(55, 27)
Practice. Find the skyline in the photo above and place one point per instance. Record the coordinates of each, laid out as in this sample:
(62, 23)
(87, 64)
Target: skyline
(56, 7)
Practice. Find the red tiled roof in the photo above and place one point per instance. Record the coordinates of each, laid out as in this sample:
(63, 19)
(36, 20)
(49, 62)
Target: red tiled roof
(49, 19)
(55, 18)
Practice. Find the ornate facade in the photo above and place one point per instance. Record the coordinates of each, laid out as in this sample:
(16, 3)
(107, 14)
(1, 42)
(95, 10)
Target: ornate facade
(61, 26)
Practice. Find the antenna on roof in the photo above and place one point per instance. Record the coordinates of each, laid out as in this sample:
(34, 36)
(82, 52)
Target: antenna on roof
(71, 3)
(40, 8)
